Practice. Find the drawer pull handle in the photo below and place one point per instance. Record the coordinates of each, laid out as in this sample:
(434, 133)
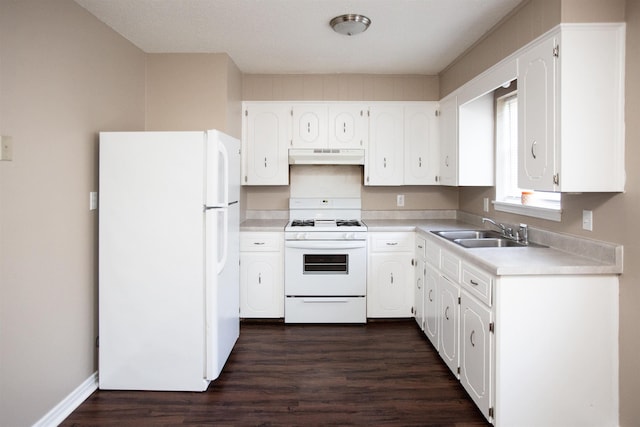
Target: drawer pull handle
(392, 278)
(473, 282)
(392, 243)
(430, 299)
(258, 243)
(419, 246)
(259, 278)
(446, 313)
(471, 338)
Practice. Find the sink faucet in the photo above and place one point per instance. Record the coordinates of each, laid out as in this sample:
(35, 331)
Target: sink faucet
(502, 228)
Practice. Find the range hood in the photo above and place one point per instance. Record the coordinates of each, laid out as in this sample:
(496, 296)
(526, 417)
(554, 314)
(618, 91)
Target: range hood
(326, 156)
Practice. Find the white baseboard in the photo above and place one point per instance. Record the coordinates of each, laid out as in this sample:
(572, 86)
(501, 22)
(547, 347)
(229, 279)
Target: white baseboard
(63, 409)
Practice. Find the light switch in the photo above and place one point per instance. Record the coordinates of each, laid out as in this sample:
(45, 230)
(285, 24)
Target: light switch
(400, 200)
(93, 200)
(587, 220)
(6, 148)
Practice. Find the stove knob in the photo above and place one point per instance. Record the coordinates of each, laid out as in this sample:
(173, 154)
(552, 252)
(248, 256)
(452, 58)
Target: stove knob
(349, 236)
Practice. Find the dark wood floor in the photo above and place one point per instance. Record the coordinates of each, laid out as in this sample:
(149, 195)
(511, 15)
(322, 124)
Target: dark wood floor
(379, 374)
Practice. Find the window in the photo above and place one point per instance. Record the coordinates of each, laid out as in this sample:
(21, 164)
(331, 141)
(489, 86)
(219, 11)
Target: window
(509, 197)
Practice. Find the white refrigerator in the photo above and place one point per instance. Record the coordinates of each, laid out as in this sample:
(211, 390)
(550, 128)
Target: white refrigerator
(168, 258)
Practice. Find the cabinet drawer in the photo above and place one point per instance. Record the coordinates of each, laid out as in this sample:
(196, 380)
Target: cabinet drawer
(261, 242)
(391, 242)
(477, 282)
(432, 254)
(450, 265)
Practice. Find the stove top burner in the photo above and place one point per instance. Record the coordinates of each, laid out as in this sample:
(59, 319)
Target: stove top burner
(348, 223)
(326, 223)
(302, 223)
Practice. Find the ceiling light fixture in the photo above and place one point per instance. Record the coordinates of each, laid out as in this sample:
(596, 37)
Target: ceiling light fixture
(350, 24)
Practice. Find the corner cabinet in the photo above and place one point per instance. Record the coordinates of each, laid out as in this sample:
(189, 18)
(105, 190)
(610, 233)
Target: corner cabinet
(265, 141)
(467, 140)
(261, 275)
(390, 275)
(571, 110)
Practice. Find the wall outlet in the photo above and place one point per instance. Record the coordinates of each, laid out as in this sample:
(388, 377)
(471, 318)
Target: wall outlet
(587, 220)
(6, 148)
(485, 206)
(400, 200)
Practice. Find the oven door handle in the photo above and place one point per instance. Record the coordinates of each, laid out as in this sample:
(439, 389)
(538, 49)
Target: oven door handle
(334, 244)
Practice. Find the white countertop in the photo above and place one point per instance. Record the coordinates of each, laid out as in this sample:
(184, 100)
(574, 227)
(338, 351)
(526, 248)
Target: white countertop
(263, 225)
(569, 256)
(510, 261)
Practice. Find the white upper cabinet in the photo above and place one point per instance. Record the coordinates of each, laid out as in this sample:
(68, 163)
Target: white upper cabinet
(266, 135)
(403, 144)
(385, 158)
(421, 144)
(347, 126)
(310, 125)
(449, 141)
(467, 140)
(571, 110)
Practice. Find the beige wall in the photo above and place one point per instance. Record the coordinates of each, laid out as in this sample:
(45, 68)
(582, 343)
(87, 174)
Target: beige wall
(340, 87)
(63, 77)
(348, 87)
(191, 91)
(614, 214)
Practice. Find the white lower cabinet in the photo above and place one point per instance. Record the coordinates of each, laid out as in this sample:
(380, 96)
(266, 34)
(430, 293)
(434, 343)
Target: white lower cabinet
(476, 351)
(390, 275)
(537, 350)
(431, 323)
(449, 317)
(261, 275)
(420, 272)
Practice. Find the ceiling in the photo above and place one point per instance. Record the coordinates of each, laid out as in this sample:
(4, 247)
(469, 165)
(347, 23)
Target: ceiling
(294, 36)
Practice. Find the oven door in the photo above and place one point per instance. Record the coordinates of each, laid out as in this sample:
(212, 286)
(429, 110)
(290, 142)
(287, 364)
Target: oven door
(325, 268)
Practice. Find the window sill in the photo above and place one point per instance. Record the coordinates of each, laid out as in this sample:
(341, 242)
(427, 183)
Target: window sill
(551, 214)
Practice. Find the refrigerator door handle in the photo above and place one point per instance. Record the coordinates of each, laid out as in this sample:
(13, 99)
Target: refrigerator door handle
(224, 174)
(225, 241)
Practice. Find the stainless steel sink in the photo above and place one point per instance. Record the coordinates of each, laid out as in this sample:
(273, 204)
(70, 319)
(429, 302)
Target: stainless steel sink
(469, 234)
(488, 243)
(482, 239)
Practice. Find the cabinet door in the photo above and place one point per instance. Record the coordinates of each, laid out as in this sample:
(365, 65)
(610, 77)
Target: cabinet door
(385, 159)
(449, 141)
(421, 144)
(476, 351)
(418, 298)
(449, 315)
(536, 113)
(309, 125)
(390, 285)
(264, 144)
(431, 324)
(347, 126)
(261, 285)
